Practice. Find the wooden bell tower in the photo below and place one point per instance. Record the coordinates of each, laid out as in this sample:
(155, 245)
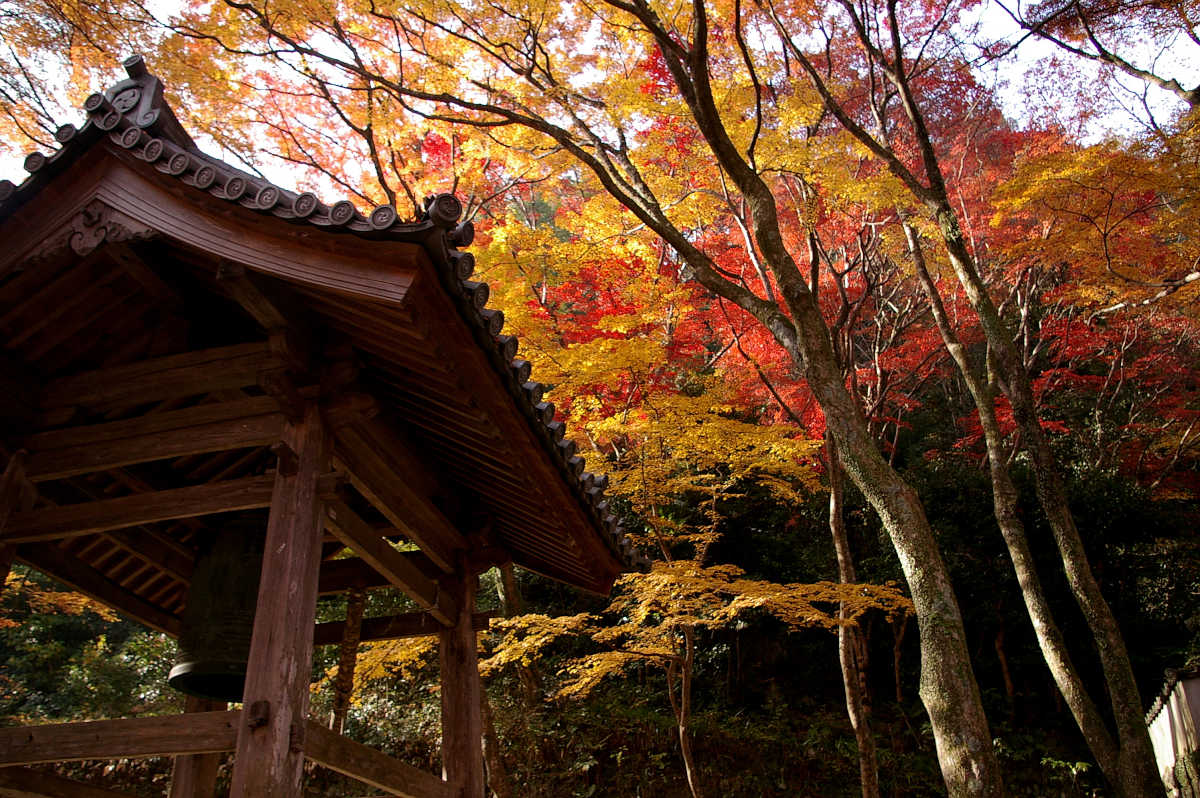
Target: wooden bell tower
(184, 341)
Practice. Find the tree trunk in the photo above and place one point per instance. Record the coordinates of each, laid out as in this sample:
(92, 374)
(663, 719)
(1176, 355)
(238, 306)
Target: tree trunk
(343, 688)
(1136, 771)
(1004, 498)
(852, 650)
(683, 713)
(493, 757)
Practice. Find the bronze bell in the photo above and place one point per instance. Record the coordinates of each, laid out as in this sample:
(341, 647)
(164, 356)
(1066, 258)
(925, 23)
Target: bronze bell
(217, 622)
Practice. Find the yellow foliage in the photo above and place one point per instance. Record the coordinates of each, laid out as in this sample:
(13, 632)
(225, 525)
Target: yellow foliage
(42, 600)
(524, 638)
(657, 609)
(406, 657)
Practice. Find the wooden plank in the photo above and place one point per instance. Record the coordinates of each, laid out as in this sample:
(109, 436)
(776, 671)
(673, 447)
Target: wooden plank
(195, 775)
(150, 423)
(126, 738)
(217, 436)
(399, 485)
(371, 766)
(79, 576)
(462, 692)
(393, 627)
(270, 743)
(72, 520)
(368, 544)
(16, 782)
(151, 380)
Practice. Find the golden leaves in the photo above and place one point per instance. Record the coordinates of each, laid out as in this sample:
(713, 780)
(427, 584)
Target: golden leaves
(654, 611)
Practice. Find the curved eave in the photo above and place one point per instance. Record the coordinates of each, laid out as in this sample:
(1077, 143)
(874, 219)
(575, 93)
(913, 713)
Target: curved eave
(371, 261)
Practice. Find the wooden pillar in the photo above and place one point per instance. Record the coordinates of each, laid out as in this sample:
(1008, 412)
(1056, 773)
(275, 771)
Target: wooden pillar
(270, 746)
(195, 775)
(12, 488)
(462, 725)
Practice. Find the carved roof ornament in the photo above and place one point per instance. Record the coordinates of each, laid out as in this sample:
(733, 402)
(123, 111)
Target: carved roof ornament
(135, 119)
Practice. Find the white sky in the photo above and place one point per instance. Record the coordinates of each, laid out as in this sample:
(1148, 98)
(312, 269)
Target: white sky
(1020, 95)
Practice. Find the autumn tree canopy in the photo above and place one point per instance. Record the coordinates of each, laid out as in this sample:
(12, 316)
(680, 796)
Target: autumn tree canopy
(728, 232)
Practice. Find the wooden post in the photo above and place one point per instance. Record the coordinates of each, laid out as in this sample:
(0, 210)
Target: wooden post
(11, 488)
(270, 748)
(195, 775)
(462, 724)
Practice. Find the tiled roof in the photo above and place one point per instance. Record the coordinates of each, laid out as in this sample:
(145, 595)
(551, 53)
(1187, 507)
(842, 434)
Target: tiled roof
(133, 115)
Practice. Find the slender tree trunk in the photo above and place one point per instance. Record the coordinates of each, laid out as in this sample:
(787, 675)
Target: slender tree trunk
(1135, 776)
(1004, 493)
(343, 687)
(497, 774)
(852, 650)
(498, 779)
(683, 712)
(1010, 690)
(898, 630)
(948, 688)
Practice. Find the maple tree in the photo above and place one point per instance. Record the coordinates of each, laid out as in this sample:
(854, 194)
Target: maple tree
(678, 228)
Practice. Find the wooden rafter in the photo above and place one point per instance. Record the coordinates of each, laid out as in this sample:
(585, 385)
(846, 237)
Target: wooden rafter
(338, 576)
(73, 520)
(400, 571)
(187, 374)
(399, 485)
(178, 433)
(80, 576)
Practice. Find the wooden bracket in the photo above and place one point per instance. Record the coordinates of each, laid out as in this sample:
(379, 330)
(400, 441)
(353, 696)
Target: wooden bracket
(288, 347)
(349, 407)
(258, 714)
(289, 461)
(278, 384)
(332, 486)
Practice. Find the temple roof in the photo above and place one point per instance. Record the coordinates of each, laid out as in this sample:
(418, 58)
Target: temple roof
(130, 187)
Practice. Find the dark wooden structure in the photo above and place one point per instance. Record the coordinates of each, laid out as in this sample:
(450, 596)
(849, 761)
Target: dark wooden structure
(183, 340)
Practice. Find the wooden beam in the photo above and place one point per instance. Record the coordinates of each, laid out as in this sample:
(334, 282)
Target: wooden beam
(243, 290)
(373, 767)
(195, 775)
(188, 374)
(79, 576)
(18, 782)
(127, 738)
(72, 520)
(150, 423)
(384, 470)
(462, 692)
(368, 544)
(338, 576)
(270, 742)
(394, 627)
(175, 559)
(176, 433)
